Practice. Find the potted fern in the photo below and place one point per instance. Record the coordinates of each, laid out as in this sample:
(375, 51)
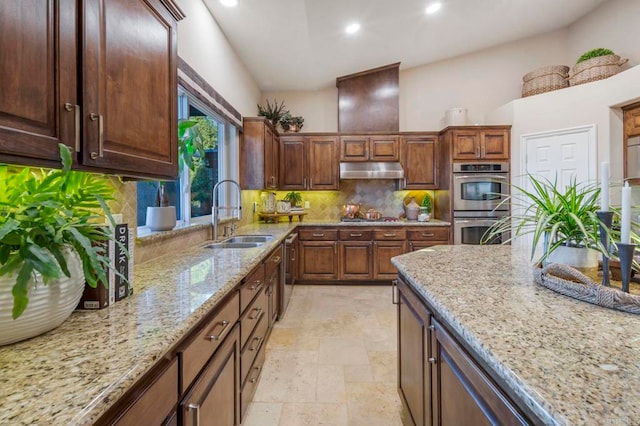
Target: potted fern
(52, 239)
(295, 198)
(272, 111)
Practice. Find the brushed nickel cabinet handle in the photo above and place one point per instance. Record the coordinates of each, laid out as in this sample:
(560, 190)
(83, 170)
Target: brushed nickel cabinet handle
(432, 360)
(478, 151)
(255, 378)
(484, 151)
(259, 341)
(100, 120)
(276, 259)
(257, 284)
(310, 183)
(224, 324)
(257, 313)
(410, 246)
(304, 183)
(196, 413)
(394, 292)
(318, 234)
(293, 254)
(390, 235)
(355, 235)
(425, 234)
(70, 107)
(432, 327)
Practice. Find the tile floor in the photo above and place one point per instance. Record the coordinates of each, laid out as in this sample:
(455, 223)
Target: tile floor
(331, 361)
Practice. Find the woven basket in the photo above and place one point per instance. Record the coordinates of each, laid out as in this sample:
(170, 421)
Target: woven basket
(565, 280)
(545, 79)
(597, 68)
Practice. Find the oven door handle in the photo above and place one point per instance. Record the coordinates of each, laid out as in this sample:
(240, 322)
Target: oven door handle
(477, 222)
(478, 177)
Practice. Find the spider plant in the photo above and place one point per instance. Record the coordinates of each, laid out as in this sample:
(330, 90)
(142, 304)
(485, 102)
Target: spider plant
(553, 216)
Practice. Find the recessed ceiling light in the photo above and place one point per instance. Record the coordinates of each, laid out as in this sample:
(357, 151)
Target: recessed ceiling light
(352, 28)
(433, 8)
(229, 3)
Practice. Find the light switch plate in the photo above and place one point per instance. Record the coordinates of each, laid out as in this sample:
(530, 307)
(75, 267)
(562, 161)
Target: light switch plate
(307, 205)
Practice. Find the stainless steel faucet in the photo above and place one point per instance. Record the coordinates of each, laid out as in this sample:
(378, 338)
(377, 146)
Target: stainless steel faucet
(215, 211)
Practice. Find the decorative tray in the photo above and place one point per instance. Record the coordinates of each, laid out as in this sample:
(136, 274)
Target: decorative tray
(573, 283)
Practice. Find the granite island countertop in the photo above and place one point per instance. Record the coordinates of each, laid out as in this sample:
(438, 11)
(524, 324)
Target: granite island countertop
(73, 374)
(568, 361)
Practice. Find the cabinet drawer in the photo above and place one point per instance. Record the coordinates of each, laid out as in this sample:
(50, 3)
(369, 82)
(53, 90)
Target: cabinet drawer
(254, 344)
(194, 356)
(392, 234)
(428, 234)
(251, 383)
(252, 316)
(272, 263)
(355, 234)
(318, 234)
(157, 401)
(252, 286)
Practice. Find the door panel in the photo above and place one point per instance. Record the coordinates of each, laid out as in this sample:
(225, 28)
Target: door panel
(323, 163)
(292, 161)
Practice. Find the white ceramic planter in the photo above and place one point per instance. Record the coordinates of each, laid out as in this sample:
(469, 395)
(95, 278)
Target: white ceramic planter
(49, 305)
(161, 218)
(579, 258)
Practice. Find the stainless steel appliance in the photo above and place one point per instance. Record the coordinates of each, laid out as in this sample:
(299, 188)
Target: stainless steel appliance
(478, 192)
(470, 230)
(289, 272)
(480, 186)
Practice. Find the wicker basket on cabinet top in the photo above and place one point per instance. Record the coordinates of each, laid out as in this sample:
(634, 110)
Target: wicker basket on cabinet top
(597, 68)
(545, 79)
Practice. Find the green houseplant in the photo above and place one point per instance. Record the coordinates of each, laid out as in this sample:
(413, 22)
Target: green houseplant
(272, 111)
(295, 198)
(290, 123)
(594, 53)
(52, 224)
(554, 217)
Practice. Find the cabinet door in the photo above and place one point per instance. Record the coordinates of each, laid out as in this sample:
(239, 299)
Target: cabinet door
(318, 260)
(414, 382)
(383, 251)
(270, 158)
(355, 260)
(419, 160)
(216, 392)
(323, 163)
(464, 394)
(632, 120)
(129, 91)
(466, 145)
(38, 77)
(354, 148)
(273, 291)
(494, 145)
(293, 163)
(384, 148)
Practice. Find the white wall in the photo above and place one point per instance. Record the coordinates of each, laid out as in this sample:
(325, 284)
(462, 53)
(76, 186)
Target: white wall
(319, 108)
(204, 47)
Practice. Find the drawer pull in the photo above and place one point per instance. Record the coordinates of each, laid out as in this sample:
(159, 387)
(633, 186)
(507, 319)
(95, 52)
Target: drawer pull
(257, 284)
(427, 234)
(276, 259)
(259, 341)
(318, 234)
(257, 312)
(432, 360)
(224, 324)
(393, 234)
(255, 378)
(196, 413)
(355, 235)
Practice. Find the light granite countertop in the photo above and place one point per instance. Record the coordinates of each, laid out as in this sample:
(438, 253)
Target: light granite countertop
(73, 374)
(332, 222)
(568, 361)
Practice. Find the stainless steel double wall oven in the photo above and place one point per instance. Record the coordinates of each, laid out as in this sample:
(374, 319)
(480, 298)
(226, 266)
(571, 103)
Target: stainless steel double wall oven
(478, 190)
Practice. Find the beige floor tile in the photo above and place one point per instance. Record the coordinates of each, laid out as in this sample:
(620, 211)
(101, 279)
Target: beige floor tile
(314, 415)
(358, 373)
(384, 366)
(373, 404)
(288, 376)
(330, 386)
(342, 351)
(263, 414)
(282, 338)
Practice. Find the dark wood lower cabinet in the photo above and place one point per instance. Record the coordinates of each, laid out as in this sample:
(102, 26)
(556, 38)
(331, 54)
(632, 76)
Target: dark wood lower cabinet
(215, 396)
(318, 260)
(383, 251)
(355, 260)
(439, 381)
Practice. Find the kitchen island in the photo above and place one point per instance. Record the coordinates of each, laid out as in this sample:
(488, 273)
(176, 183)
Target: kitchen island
(559, 360)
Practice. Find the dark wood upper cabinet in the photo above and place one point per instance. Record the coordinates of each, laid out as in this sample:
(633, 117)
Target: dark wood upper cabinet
(369, 148)
(259, 154)
(38, 77)
(419, 160)
(368, 100)
(101, 78)
(323, 163)
(484, 143)
(293, 162)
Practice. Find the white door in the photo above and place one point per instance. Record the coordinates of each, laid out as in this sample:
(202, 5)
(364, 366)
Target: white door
(559, 155)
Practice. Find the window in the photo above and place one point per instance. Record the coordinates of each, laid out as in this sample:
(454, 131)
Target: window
(191, 194)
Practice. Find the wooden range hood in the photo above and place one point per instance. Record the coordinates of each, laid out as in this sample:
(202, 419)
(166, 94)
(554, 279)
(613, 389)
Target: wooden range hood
(368, 100)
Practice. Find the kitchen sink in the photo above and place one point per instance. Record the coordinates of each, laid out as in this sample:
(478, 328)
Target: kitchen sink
(250, 239)
(234, 245)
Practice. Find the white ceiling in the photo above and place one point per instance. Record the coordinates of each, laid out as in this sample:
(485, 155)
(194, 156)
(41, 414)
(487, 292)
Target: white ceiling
(301, 44)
